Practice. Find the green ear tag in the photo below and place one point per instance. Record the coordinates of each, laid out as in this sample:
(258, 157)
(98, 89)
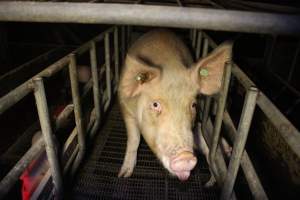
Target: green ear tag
(203, 72)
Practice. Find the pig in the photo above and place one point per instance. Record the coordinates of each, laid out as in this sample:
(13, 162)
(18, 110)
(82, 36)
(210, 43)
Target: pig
(157, 94)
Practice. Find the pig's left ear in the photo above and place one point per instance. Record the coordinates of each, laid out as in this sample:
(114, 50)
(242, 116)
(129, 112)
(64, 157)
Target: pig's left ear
(208, 71)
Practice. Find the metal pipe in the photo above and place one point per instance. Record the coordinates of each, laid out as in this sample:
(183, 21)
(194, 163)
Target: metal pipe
(116, 52)
(77, 113)
(107, 70)
(13, 175)
(51, 149)
(198, 46)
(123, 50)
(219, 116)
(240, 142)
(194, 38)
(96, 91)
(248, 169)
(167, 16)
(205, 47)
(179, 3)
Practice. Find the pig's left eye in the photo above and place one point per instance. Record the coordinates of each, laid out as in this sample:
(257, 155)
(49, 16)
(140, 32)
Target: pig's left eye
(156, 106)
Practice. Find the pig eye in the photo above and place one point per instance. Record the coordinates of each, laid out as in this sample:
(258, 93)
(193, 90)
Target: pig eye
(156, 106)
(194, 105)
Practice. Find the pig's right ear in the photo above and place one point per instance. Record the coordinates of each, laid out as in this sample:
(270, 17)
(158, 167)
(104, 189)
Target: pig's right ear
(137, 75)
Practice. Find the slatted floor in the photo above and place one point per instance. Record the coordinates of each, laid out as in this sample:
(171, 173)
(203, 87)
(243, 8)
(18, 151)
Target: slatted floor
(97, 178)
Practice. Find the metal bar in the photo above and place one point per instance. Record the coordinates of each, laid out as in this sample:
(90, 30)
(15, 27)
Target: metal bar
(13, 175)
(168, 16)
(205, 47)
(107, 69)
(96, 91)
(179, 3)
(51, 149)
(249, 171)
(198, 46)
(77, 113)
(286, 129)
(128, 42)
(123, 50)
(240, 142)
(206, 112)
(219, 116)
(116, 52)
(194, 38)
(294, 63)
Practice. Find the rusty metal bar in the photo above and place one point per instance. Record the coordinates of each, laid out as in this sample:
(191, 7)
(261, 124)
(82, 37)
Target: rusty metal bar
(198, 46)
(116, 53)
(51, 149)
(240, 142)
(168, 16)
(13, 175)
(219, 117)
(77, 113)
(249, 171)
(107, 70)
(96, 91)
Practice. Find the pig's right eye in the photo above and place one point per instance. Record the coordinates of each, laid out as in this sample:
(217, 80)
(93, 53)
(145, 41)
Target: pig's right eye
(156, 106)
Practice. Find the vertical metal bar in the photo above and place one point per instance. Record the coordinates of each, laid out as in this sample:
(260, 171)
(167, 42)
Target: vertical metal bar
(107, 69)
(129, 31)
(205, 47)
(43, 113)
(240, 142)
(116, 52)
(219, 116)
(198, 47)
(206, 112)
(194, 38)
(123, 50)
(77, 113)
(96, 91)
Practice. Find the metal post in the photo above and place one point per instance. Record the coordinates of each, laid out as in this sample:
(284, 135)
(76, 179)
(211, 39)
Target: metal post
(249, 171)
(116, 52)
(219, 116)
(194, 37)
(96, 91)
(77, 113)
(198, 47)
(239, 143)
(123, 50)
(107, 69)
(129, 31)
(205, 47)
(51, 149)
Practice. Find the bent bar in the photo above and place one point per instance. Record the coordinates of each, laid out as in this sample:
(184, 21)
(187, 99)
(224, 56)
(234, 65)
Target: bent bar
(180, 17)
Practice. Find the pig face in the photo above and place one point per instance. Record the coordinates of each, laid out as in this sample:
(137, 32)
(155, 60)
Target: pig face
(165, 104)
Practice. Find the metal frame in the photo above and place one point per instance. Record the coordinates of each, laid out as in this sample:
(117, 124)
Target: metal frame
(35, 84)
(167, 16)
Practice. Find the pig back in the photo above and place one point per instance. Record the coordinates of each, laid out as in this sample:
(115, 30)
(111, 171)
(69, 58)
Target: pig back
(161, 48)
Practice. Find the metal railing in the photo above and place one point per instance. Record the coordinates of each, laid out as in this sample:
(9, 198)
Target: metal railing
(226, 175)
(102, 100)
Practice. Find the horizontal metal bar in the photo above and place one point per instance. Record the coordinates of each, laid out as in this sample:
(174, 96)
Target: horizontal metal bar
(12, 177)
(168, 16)
(239, 142)
(248, 168)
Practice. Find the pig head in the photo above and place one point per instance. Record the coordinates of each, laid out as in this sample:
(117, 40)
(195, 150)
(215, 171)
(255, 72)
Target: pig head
(157, 94)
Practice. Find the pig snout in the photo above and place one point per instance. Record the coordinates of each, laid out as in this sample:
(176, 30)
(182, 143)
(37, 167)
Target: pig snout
(182, 164)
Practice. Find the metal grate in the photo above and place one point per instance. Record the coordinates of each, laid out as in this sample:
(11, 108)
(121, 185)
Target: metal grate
(97, 179)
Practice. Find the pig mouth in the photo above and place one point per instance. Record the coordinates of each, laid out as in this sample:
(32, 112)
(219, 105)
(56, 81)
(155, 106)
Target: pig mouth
(182, 165)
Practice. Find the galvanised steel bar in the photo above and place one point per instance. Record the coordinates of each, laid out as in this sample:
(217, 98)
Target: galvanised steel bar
(21, 91)
(239, 142)
(286, 129)
(219, 116)
(167, 16)
(194, 38)
(96, 91)
(116, 53)
(198, 46)
(254, 183)
(13, 175)
(51, 149)
(107, 69)
(77, 113)
(123, 48)
(205, 48)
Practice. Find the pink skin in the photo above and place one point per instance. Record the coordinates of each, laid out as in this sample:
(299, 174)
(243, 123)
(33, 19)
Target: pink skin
(182, 164)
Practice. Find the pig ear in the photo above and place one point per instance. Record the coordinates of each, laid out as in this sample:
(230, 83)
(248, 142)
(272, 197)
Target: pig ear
(138, 74)
(208, 71)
